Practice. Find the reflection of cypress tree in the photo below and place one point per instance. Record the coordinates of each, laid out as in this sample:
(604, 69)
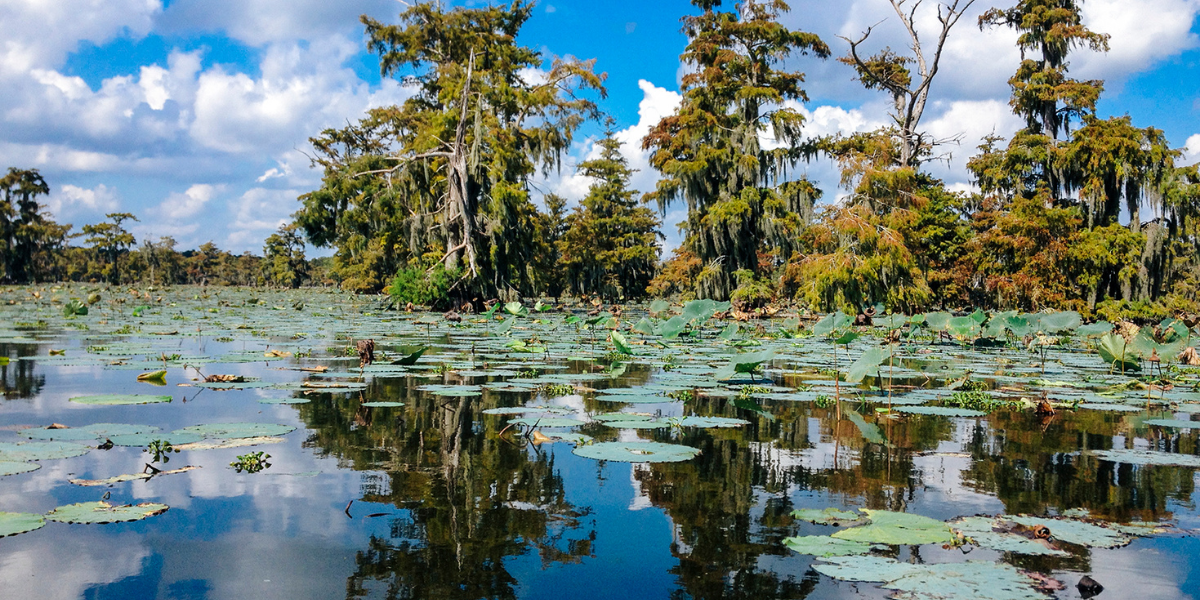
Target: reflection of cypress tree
(1033, 469)
(17, 378)
(470, 499)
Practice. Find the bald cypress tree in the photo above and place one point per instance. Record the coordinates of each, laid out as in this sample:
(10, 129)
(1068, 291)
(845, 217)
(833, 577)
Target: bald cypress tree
(743, 211)
(610, 246)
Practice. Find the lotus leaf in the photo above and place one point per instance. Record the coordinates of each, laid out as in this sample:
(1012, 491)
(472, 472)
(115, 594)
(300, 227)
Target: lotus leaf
(238, 430)
(1175, 423)
(118, 399)
(546, 422)
(1076, 532)
(27, 451)
(637, 452)
(129, 477)
(711, 422)
(383, 404)
(868, 362)
(971, 580)
(176, 438)
(230, 443)
(103, 512)
(898, 528)
(1146, 457)
(12, 523)
(825, 546)
(8, 467)
(944, 411)
(980, 530)
(1115, 352)
(829, 516)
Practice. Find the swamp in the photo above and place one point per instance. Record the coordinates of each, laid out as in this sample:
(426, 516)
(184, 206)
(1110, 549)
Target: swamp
(192, 442)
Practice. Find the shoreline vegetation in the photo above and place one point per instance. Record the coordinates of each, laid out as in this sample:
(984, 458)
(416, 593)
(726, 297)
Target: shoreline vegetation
(431, 201)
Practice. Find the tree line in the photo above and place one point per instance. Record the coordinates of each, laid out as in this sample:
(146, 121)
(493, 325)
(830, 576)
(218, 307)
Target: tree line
(34, 249)
(1074, 211)
(433, 199)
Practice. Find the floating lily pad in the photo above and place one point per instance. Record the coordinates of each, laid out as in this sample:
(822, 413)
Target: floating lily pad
(8, 467)
(383, 404)
(823, 545)
(176, 438)
(971, 580)
(119, 399)
(897, 528)
(27, 451)
(230, 443)
(944, 411)
(239, 430)
(980, 530)
(1146, 457)
(1077, 532)
(103, 512)
(12, 523)
(284, 400)
(637, 452)
(829, 516)
(129, 477)
(1176, 423)
(546, 422)
(1110, 406)
(69, 434)
(711, 422)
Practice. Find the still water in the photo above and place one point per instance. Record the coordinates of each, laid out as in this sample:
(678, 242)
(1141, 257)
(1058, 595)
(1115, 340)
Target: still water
(428, 500)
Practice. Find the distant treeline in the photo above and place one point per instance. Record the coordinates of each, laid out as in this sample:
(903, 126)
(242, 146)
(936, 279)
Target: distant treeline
(34, 248)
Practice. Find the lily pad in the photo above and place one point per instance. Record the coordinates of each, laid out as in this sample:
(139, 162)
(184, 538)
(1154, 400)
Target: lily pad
(546, 422)
(711, 422)
(944, 411)
(1146, 457)
(823, 545)
(231, 443)
(829, 516)
(897, 528)
(103, 512)
(980, 530)
(239, 430)
(12, 523)
(27, 451)
(1176, 423)
(637, 452)
(119, 399)
(176, 438)
(1077, 532)
(383, 404)
(8, 467)
(971, 580)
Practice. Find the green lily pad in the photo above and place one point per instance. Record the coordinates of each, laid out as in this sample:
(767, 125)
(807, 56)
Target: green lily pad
(1110, 406)
(980, 530)
(118, 399)
(823, 545)
(944, 411)
(27, 451)
(144, 439)
(238, 430)
(896, 528)
(9, 467)
(284, 400)
(70, 434)
(711, 422)
(637, 452)
(1077, 532)
(382, 404)
(103, 512)
(546, 422)
(1176, 423)
(1146, 457)
(971, 580)
(829, 516)
(12, 523)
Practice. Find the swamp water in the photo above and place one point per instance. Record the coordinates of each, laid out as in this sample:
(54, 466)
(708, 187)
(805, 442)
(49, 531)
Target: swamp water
(414, 481)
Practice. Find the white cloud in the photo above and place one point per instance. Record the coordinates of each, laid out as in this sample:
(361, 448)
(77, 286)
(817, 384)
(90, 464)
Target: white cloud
(257, 214)
(40, 33)
(1143, 32)
(264, 22)
(189, 203)
(1191, 150)
(70, 200)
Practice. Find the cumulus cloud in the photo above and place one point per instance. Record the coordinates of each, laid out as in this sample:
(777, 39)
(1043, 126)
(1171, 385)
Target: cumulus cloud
(1191, 150)
(71, 200)
(189, 203)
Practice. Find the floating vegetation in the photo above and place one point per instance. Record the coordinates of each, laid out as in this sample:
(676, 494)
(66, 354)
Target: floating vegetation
(119, 399)
(103, 512)
(13, 523)
(637, 452)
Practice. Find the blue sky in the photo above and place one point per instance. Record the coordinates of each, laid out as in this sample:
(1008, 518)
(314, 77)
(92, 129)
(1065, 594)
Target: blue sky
(195, 114)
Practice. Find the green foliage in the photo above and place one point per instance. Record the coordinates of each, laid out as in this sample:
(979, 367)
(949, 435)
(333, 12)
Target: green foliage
(610, 246)
(251, 463)
(160, 451)
(422, 287)
(979, 400)
(709, 152)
